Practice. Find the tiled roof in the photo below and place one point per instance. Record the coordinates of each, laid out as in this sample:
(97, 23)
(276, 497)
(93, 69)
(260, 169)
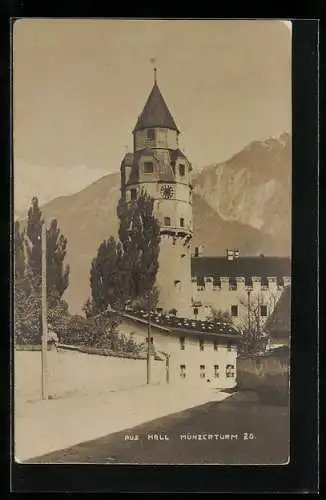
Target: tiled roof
(164, 170)
(242, 266)
(186, 326)
(175, 154)
(155, 112)
(279, 321)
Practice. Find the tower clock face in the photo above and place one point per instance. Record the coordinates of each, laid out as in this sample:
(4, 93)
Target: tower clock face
(167, 191)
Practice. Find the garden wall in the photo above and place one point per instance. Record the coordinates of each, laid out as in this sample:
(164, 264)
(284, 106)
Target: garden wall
(74, 373)
(268, 375)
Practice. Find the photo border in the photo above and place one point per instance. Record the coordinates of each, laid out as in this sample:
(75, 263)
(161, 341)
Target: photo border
(301, 474)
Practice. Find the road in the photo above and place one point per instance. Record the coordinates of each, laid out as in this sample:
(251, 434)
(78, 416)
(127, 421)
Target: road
(239, 430)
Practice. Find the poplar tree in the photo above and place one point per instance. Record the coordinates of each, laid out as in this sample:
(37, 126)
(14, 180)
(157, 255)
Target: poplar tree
(107, 279)
(56, 249)
(139, 233)
(125, 270)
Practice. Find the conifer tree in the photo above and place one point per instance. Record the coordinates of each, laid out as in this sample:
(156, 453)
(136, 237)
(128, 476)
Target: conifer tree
(126, 270)
(107, 279)
(139, 233)
(33, 244)
(57, 273)
(56, 248)
(26, 301)
(19, 252)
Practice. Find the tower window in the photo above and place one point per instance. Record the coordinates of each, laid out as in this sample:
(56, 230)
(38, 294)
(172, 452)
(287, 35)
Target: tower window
(201, 344)
(148, 167)
(167, 221)
(229, 346)
(183, 371)
(202, 371)
(234, 310)
(182, 343)
(182, 170)
(215, 345)
(216, 373)
(182, 222)
(263, 310)
(264, 283)
(133, 193)
(196, 311)
(150, 134)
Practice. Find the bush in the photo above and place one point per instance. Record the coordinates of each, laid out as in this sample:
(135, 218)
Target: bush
(99, 333)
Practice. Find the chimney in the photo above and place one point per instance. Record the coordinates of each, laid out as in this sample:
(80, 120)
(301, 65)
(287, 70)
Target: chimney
(229, 254)
(198, 251)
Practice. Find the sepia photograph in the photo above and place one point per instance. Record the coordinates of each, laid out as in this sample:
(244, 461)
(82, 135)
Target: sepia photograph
(152, 178)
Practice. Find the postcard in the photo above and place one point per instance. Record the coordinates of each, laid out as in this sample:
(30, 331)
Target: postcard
(152, 165)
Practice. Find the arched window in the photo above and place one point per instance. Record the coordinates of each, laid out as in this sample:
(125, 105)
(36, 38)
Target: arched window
(167, 221)
(182, 170)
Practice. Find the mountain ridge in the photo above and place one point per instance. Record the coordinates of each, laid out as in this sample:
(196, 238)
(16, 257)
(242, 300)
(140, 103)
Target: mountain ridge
(242, 203)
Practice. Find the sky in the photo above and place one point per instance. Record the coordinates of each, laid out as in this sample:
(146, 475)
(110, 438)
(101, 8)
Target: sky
(79, 85)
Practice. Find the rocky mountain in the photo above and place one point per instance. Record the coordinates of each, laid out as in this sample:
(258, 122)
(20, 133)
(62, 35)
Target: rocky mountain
(243, 203)
(253, 188)
(48, 183)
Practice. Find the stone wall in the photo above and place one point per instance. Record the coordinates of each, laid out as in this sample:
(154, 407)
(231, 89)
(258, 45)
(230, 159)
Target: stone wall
(72, 373)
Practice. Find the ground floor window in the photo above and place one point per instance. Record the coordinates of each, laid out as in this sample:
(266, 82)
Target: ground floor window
(263, 310)
(229, 371)
(202, 371)
(216, 371)
(234, 310)
(183, 371)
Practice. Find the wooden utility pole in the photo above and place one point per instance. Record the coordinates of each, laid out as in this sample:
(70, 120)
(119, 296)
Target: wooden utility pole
(167, 367)
(249, 326)
(44, 316)
(149, 343)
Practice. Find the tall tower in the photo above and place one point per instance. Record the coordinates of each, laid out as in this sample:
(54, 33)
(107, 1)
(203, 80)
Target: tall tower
(158, 166)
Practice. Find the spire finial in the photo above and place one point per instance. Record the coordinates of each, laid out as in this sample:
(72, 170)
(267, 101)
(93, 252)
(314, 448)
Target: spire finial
(153, 61)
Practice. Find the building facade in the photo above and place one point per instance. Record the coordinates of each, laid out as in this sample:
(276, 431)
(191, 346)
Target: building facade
(196, 356)
(248, 288)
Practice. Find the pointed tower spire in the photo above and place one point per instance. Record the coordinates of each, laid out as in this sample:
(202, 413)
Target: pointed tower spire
(155, 112)
(153, 61)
